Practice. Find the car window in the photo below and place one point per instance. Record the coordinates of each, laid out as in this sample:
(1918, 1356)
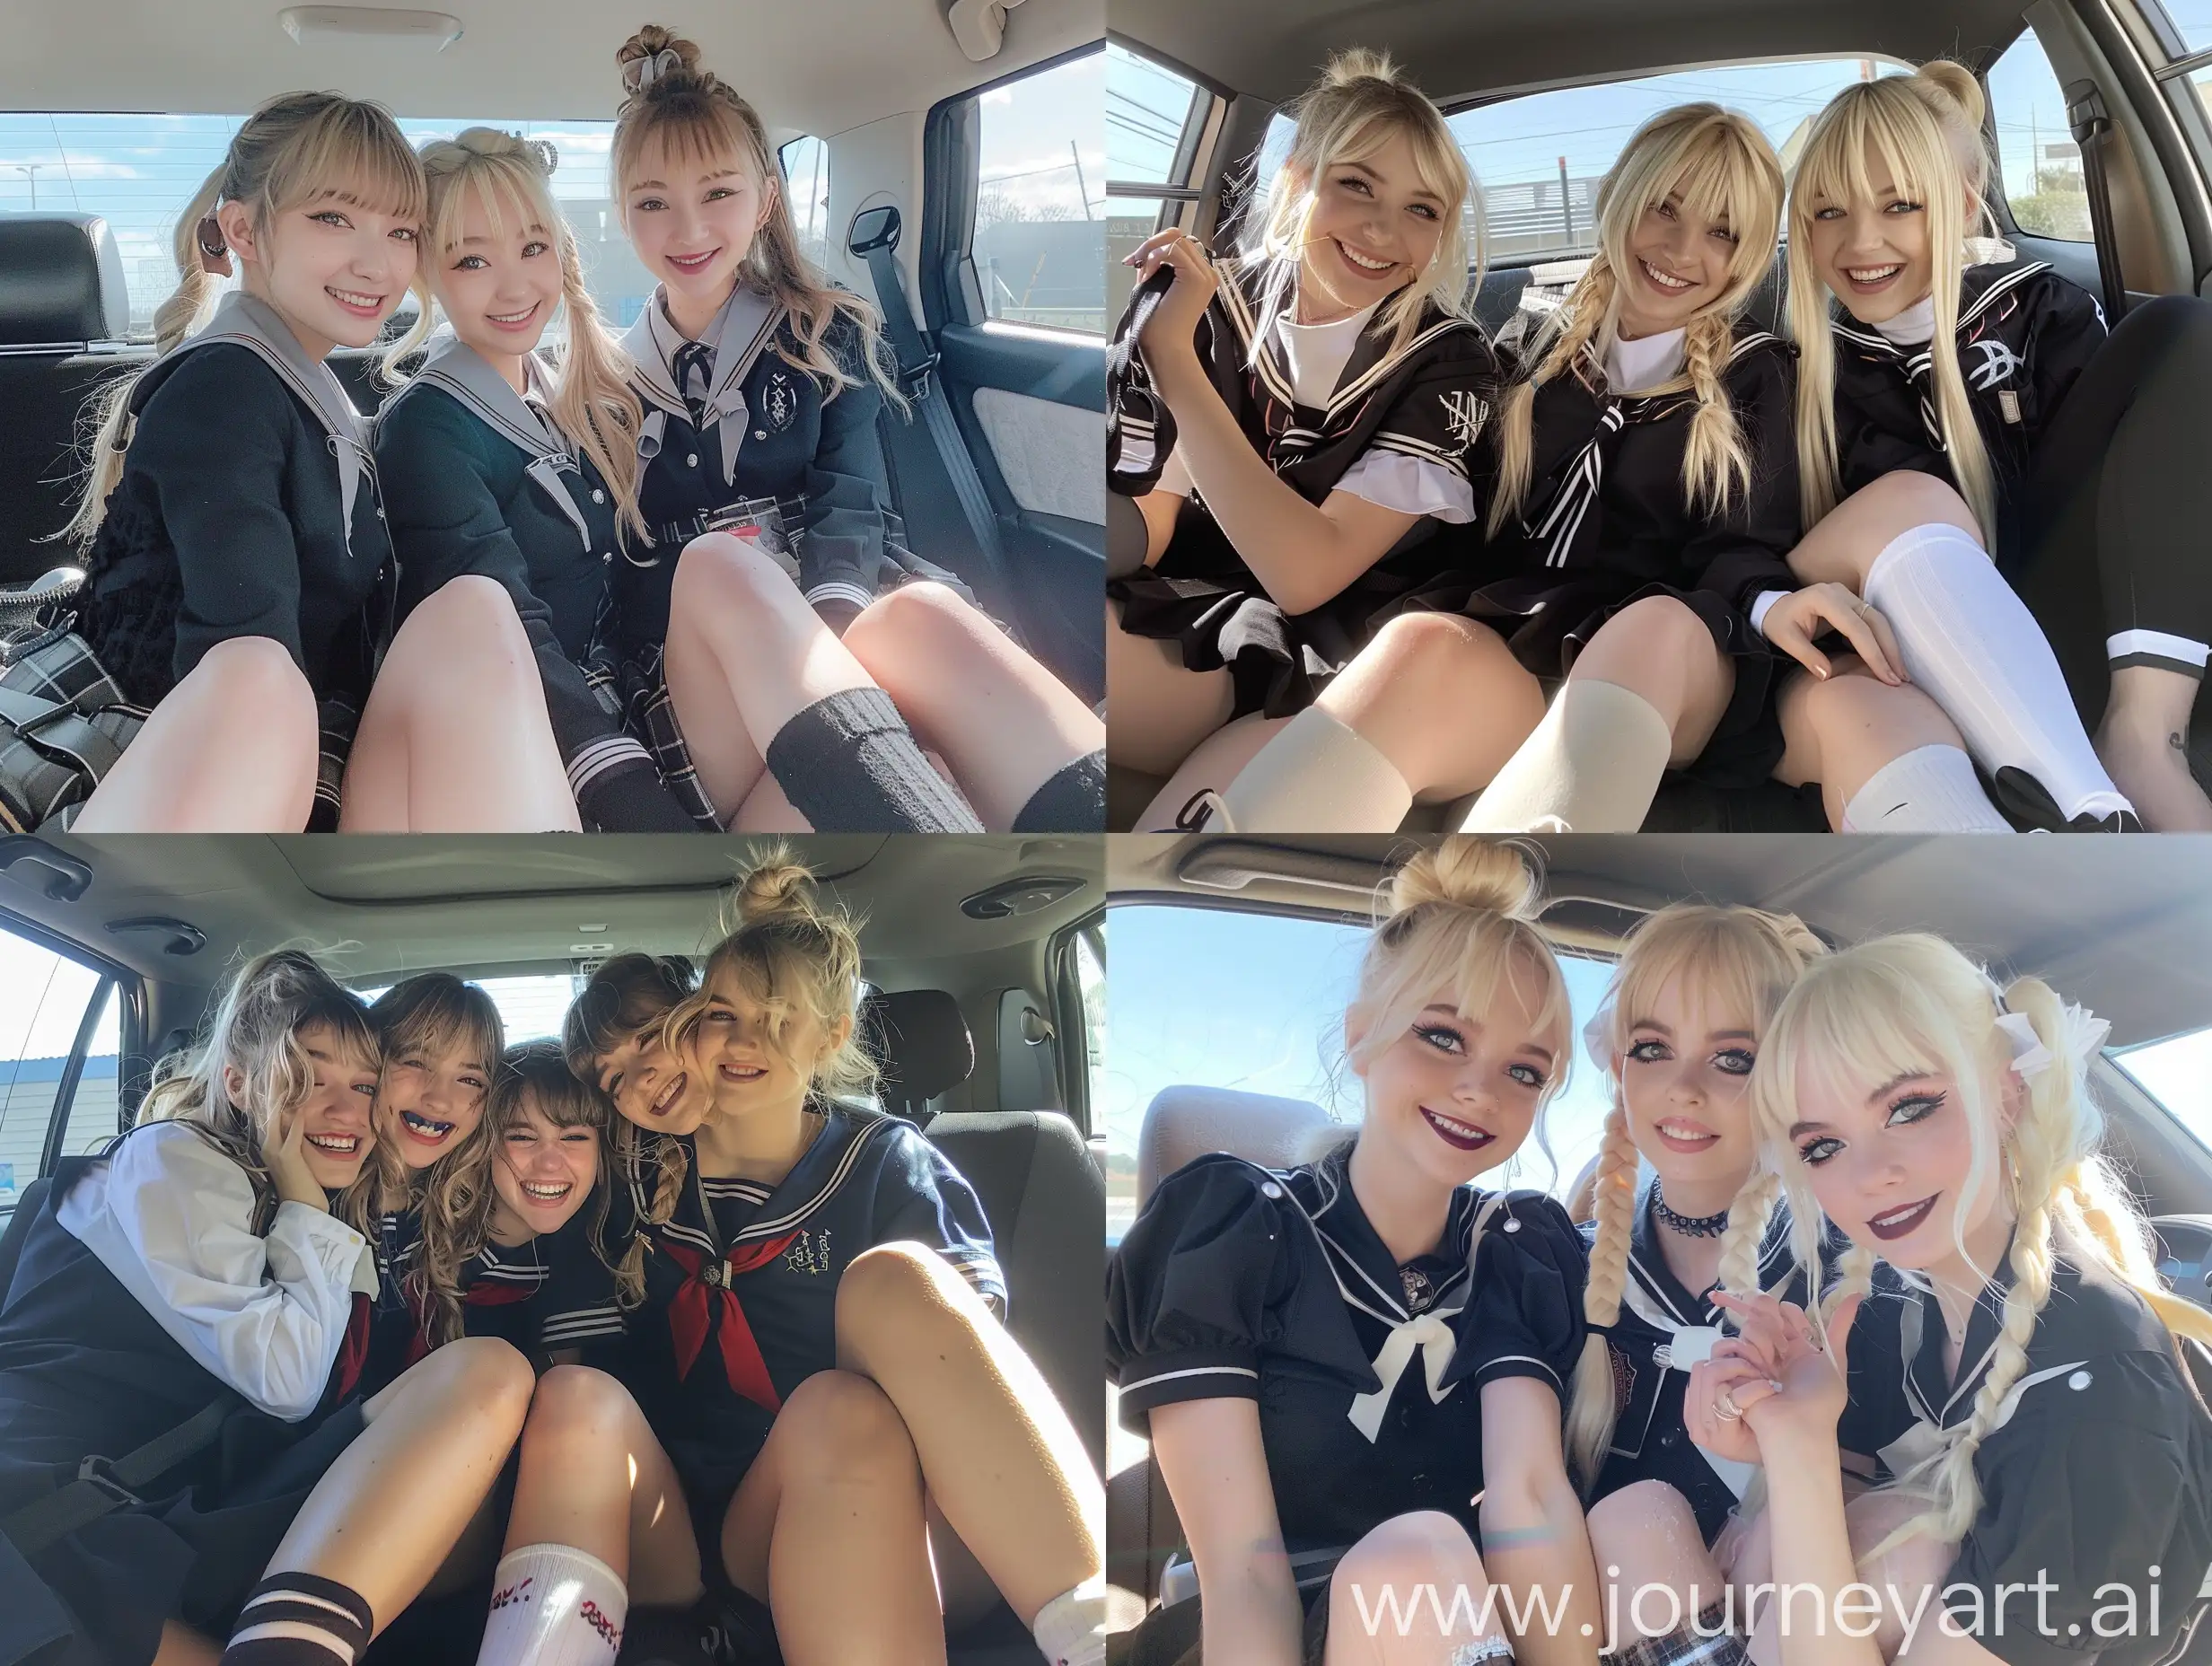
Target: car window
(2039, 165)
(1040, 237)
(1149, 112)
(806, 177)
(2178, 1074)
(44, 996)
(2191, 19)
(1256, 1002)
(1091, 979)
(531, 1007)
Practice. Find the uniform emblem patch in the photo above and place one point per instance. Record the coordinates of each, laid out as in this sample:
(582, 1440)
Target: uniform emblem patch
(1464, 414)
(809, 1252)
(1624, 1376)
(781, 400)
(1998, 362)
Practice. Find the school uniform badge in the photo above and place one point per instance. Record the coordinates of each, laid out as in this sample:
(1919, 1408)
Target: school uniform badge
(781, 400)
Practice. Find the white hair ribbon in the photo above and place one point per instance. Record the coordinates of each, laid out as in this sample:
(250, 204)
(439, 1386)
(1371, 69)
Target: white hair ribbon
(641, 73)
(2081, 1035)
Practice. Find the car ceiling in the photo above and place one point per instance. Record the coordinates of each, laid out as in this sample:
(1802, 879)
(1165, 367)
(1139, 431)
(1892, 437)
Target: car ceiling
(389, 905)
(821, 67)
(1273, 48)
(2119, 926)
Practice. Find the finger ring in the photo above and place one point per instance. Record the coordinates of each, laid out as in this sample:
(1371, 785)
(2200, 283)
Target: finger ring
(1725, 1408)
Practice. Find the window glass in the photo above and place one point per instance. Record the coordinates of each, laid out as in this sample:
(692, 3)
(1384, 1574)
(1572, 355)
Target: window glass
(1256, 1002)
(806, 177)
(2191, 19)
(1091, 977)
(2178, 1074)
(531, 1007)
(95, 1117)
(2038, 164)
(42, 1000)
(1148, 108)
(1040, 242)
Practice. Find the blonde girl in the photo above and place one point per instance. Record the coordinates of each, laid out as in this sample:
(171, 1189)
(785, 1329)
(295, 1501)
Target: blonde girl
(2043, 1425)
(774, 631)
(1335, 1361)
(1294, 423)
(211, 1268)
(1982, 466)
(1644, 506)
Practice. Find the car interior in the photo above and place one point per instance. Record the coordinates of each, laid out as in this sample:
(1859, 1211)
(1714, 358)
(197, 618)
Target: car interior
(2124, 940)
(981, 956)
(875, 108)
(2125, 134)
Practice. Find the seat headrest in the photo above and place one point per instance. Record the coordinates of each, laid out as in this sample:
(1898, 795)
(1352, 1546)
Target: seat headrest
(1183, 1122)
(61, 281)
(922, 1045)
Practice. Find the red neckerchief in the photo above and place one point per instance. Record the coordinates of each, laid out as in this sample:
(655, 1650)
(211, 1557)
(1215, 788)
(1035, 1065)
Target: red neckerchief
(353, 1353)
(690, 1315)
(486, 1295)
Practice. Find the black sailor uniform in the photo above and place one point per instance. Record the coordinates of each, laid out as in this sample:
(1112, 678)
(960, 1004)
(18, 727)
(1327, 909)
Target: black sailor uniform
(737, 434)
(742, 1282)
(1608, 522)
(86, 1368)
(2096, 446)
(248, 506)
(479, 481)
(1241, 1282)
(2096, 1487)
(1664, 1329)
(1431, 401)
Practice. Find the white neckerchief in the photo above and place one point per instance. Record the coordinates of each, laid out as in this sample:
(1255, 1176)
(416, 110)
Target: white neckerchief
(454, 366)
(740, 333)
(1928, 1437)
(1647, 361)
(1915, 327)
(1687, 1345)
(1317, 354)
(1427, 1332)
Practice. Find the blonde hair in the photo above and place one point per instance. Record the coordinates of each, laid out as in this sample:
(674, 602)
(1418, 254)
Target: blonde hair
(255, 1030)
(1911, 1005)
(1926, 128)
(1722, 167)
(1361, 103)
(691, 112)
(1744, 960)
(297, 147)
(594, 404)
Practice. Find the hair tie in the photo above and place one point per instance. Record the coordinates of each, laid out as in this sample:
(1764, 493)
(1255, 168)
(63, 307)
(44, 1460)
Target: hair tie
(2081, 1036)
(641, 73)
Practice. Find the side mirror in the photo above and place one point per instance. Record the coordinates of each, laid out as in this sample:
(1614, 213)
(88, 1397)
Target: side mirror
(873, 229)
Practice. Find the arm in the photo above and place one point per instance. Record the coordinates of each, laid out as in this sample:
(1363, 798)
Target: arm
(1533, 1537)
(1216, 1472)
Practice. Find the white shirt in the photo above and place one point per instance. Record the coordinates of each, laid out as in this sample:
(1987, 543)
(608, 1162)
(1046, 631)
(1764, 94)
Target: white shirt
(1632, 366)
(170, 1217)
(1914, 327)
(1318, 353)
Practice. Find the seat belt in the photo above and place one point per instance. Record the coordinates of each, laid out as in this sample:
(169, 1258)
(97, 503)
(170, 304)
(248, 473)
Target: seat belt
(924, 391)
(2091, 125)
(102, 1487)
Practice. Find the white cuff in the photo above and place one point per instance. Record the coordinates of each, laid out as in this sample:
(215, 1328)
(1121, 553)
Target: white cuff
(1411, 486)
(1766, 599)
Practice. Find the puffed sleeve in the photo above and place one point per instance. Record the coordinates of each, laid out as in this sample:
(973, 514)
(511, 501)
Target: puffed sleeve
(2065, 327)
(2081, 1497)
(1196, 1288)
(840, 536)
(1432, 454)
(1525, 1316)
(922, 1198)
(1742, 554)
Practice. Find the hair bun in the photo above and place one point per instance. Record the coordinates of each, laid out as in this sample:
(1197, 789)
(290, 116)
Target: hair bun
(1796, 935)
(1359, 63)
(655, 55)
(1952, 80)
(1467, 873)
(775, 885)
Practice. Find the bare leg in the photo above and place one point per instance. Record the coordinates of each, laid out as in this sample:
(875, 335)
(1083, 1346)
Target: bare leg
(1157, 711)
(180, 1646)
(1005, 724)
(1901, 1576)
(1001, 1459)
(230, 749)
(827, 1527)
(1659, 1576)
(1844, 545)
(1442, 698)
(1387, 1574)
(383, 1516)
(1214, 762)
(593, 1477)
(1841, 730)
(455, 737)
(2144, 741)
(1659, 649)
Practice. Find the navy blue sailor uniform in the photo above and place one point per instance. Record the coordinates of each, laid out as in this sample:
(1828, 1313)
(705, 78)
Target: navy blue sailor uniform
(1403, 426)
(742, 1281)
(248, 506)
(1241, 1282)
(117, 1329)
(2094, 1535)
(478, 480)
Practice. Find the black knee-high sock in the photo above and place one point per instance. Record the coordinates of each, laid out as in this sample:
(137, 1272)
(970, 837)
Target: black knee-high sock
(1073, 800)
(300, 1619)
(849, 764)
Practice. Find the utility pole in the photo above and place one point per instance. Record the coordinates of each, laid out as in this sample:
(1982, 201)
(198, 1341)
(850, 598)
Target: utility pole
(1567, 203)
(1081, 187)
(29, 171)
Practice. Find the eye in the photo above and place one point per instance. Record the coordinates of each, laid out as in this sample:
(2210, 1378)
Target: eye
(1353, 182)
(1735, 1061)
(720, 191)
(1913, 1108)
(406, 233)
(330, 216)
(1442, 1038)
(1527, 1075)
(470, 263)
(614, 1085)
(1726, 235)
(578, 1136)
(1828, 213)
(1425, 212)
(1648, 1051)
(473, 1082)
(1665, 211)
(648, 204)
(1901, 205)
(1818, 1151)
(535, 248)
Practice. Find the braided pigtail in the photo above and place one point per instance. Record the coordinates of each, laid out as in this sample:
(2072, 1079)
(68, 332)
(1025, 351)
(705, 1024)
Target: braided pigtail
(1593, 1410)
(1749, 1217)
(1715, 466)
(1587, 310)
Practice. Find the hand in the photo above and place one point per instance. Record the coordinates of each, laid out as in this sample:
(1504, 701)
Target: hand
(1792, 622)
(1788, 1381)
(1174, 322)
(287, 1165)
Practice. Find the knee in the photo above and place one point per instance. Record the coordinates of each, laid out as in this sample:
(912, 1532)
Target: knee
(840, 1424)
(574, 1403)
(1622, 1522)
(926, 618)
(1908, 498)
(720, 570)
(468, 621)
(1423, 1547)
(892, 1288)
(1414, 644)
(487, 1375)
(1654, 631)
(256, 674)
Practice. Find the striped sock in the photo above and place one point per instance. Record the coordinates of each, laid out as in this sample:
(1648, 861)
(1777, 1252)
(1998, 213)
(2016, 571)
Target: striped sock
(300, 1619)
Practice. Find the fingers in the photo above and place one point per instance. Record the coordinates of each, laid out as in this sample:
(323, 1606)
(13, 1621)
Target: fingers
(1791, 637)
(1860, 635)
(1888, 638)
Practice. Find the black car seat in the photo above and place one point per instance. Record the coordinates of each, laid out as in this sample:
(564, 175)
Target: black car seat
(922, 1045)
(28, 1204)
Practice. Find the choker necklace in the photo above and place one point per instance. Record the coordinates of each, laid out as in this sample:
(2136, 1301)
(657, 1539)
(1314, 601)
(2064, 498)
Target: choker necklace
(1688, 1225)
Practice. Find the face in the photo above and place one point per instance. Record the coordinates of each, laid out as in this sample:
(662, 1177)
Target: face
(334, 269)
(1874, 254)
(1890, 1162)
(1678, 265)
(541, 1172)
(337, 1111)
(499, 290)
(1456, 1096)
(655, 1087)
(428, 1103)
(693, 220)
(1684, 1076)
(749, 1067)
(1374, 229)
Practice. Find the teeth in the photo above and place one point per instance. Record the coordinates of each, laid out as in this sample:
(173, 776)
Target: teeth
(1683, 1131)
(668, 1096)
(690, 260)
(549, 1193)
(1664, 280)
(512, 317)
(340, 1144)
(1872, 273)
(1895, 1215)
(1362, 261)
(426, 1127)
(1466, 1131)
(353, 299)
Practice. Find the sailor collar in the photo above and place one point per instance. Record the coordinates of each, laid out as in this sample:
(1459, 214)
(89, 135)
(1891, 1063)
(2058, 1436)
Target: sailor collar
(822, 1169)
(740, 333)
(1977, 297)
(469, 378)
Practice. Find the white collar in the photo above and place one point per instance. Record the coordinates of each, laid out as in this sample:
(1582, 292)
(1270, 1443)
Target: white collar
(1647, 361)
(1318, 353)
(1915, 327)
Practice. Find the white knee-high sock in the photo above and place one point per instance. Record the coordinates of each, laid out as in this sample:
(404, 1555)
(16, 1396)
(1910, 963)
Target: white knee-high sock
(1972, 644)
(1931, 789)
(1591, 766)
(1318, 775)
(553, 1604)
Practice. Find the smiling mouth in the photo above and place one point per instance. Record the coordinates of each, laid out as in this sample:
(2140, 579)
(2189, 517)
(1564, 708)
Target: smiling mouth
(336, 1145)
(356, 301)
(1871, 276)
(512, 321)
(1364, 263)
(540, 1191)
(693, 263)
(1460, 1135)
(1665, 281)
(741, 1072)
(1895, 1224)
(1676, 1134)
(428, 1129)
(670, 1094)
